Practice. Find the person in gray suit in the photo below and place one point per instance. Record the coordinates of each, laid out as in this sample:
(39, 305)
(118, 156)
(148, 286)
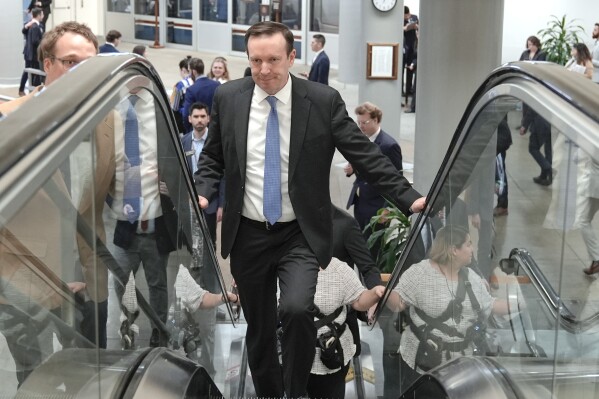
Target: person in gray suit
(273, 137)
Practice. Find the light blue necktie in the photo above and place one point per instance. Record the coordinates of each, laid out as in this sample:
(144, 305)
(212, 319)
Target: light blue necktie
(272, 165)
(132, 189)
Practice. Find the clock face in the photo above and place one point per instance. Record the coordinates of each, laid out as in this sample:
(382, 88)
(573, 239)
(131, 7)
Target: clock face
(384, 5)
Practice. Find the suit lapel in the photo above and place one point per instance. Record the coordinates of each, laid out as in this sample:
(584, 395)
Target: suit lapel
(300, 113)
(243, 103)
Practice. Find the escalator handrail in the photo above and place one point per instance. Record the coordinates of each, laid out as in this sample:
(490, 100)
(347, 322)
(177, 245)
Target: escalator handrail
(550, 76)
(566, 317)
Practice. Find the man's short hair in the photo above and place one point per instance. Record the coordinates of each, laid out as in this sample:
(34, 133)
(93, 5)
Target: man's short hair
(320, 38)
(196, 64)
(48, 44)
(112, 35)
(372, 110)
(406, 9)
(36, 12)
(269, 28)
(199, 106)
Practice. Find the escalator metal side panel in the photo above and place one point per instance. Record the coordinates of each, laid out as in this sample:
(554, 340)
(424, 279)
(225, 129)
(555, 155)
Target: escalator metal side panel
(468, 377)
(85, 373)
(166, 374)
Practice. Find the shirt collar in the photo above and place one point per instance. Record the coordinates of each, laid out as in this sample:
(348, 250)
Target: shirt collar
(204, 136)
(374, 136)
(318, 52)
(283, 95)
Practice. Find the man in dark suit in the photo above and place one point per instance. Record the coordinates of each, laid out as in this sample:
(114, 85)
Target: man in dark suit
(33, 32)
(273, 136)
(365, 198)
(201, 91)
(319, 72)
(113, 39)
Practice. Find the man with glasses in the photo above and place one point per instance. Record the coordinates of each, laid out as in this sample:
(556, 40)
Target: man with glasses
(365, 199)
(62, 48)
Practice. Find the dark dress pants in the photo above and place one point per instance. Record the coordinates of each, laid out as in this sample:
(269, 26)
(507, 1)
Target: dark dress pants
(540, 136)
(257, 259)
(328, 386)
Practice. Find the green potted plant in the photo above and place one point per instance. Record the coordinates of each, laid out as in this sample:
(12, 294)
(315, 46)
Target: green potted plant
(390, 228)
(557, 38)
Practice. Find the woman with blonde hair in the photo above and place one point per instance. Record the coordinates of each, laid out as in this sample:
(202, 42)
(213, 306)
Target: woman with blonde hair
(448, 304)
(219, 70)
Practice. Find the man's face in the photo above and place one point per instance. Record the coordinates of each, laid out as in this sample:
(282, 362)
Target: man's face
(315, 45)
(199, 119)
(596, 32)
(70, 50)
(269, 61)
(368, 125)
(41, 16)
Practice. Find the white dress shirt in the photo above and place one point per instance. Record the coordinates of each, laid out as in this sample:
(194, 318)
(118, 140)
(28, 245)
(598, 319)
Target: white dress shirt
(150, 207)
(254, 173)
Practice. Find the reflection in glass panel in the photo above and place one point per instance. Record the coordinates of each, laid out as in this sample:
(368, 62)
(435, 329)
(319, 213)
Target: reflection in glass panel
(246, 12)
(145, 7)
(461, 297)
(324, 16)
(214, 10)
(289, 13)
(118, 5)
(44, 303)
(179, 9)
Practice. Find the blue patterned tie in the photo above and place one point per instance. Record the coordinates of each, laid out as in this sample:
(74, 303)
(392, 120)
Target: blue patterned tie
(272, 165)
(132, 189)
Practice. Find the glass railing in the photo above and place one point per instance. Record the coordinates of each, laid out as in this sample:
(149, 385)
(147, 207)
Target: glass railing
(66, 220)
(544, 309)
(99, 225)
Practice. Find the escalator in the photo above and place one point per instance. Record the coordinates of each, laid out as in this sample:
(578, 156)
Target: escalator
(544, 345)
(65, 170)
(60, 208)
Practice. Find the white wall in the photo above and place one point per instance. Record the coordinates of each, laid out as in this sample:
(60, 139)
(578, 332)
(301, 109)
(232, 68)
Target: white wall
(525, 18)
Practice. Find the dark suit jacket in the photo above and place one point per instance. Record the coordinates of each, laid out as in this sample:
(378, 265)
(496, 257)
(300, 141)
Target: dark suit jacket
(166, 228)
(186, 141)
(319, 124)
(32, 41)
(350, 247)
(319, 72)
(202, 91)
(370, 199)
(107, 48)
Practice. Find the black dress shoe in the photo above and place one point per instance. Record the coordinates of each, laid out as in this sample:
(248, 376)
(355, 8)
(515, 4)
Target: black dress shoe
(593, 269)
(543, 181)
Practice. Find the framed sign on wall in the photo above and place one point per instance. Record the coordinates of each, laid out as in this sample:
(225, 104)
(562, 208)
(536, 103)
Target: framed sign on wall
(382, 60)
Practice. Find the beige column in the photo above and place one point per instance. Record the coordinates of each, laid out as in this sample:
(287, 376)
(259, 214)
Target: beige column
(460, 44)
(11, 43)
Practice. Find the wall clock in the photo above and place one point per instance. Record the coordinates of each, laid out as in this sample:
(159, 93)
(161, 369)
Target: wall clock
(384, 5)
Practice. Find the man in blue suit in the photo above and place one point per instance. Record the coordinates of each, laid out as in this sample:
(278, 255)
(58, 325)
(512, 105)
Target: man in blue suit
(202, 90)
(319, 72)
(113, 39)
(365, 198)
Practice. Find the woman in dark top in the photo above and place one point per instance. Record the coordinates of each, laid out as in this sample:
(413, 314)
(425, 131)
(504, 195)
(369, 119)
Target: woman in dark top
(533, 50)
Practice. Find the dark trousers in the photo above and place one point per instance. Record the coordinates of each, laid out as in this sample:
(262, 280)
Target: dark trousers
(502, 198)
(328, 386)
(541, 137)
(143, 249)
(95, 332)
(36, 80)
(257, 259)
